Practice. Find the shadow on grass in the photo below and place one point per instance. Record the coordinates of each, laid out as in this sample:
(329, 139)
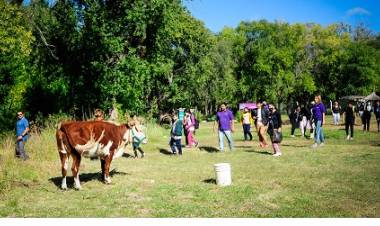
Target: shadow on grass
(126, 155)
(165, 151)
(242, 146)
(84, 177)
(295, 145)
(209, 181)
(208, 149)
(259, 152)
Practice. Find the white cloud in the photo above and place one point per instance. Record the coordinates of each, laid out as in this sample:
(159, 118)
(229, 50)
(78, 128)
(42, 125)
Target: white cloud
(357, 11)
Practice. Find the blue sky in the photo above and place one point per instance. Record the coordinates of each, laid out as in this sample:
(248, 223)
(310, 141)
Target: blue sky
(219, 13)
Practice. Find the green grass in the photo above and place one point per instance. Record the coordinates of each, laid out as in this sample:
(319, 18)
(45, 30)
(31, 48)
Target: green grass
(341, 179)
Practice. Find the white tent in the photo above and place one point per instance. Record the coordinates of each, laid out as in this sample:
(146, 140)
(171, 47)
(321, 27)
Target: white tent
(372, 96)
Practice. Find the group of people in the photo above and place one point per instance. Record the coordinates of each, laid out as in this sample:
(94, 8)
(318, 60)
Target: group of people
(265, 118)
(300, 116)
(188, 124)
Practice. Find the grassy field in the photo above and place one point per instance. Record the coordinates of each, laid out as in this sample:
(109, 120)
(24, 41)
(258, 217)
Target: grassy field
(341, 179)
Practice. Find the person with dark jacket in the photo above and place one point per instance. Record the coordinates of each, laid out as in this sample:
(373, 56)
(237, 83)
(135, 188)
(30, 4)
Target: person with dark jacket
(377, 114)
(176, 135)
(274, 124)
(295, 119)
(349, 120)
(261, 122)
(361, 112)
(367, 116)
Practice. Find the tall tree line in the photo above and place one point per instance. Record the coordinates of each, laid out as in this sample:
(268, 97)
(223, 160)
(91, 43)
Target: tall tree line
(150, 57)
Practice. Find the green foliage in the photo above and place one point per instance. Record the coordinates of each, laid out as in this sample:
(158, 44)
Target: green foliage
(74, 56)
(15, 48)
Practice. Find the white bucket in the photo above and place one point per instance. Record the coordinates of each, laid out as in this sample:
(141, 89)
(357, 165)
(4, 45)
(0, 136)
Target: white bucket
(223, 174)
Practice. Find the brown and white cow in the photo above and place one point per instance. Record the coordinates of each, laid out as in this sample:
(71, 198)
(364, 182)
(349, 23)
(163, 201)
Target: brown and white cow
(89, 139)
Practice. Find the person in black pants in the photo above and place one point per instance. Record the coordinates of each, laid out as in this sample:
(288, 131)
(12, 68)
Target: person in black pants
(275, 123)
(349, 121)
(367, 116)
(377, 114)
(295, 119)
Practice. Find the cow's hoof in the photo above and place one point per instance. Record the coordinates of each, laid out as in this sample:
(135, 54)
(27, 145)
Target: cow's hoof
(107, 180)
(77, 188)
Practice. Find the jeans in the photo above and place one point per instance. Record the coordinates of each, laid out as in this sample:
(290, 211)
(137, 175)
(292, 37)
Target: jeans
(176, 143)
(319, 138)
(247, 131)
(336, 118)
(228, 135)
(20, 150)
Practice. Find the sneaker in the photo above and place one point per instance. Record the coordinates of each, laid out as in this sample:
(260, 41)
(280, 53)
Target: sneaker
(322, 144)
(315, 145)
(277, 154)
(292, 136)
(351, 138)
(348, 137)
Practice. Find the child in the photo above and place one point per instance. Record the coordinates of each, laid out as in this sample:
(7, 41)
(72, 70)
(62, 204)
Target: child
(176, 135)
(138, 137)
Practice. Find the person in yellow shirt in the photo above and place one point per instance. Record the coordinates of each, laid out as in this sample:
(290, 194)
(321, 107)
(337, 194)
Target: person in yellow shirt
(246, 120)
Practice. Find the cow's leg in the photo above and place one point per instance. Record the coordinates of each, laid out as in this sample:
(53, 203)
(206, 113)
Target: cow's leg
(64, 165)
(107, 178)
(75, 170)
(103, 165)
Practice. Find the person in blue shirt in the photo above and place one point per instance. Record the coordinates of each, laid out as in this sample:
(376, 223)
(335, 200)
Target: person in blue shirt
(22, 130)
(176, 135)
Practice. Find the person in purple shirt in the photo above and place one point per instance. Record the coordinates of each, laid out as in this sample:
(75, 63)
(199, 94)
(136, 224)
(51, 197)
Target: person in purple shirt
(225, 120)
(22, 130)
(319, 116)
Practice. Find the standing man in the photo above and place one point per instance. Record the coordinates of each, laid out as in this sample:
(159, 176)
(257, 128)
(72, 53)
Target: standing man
(319, 114)
(22, 130)
(225, 120)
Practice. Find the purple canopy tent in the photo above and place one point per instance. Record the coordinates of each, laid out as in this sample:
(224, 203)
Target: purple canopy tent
(248, 105)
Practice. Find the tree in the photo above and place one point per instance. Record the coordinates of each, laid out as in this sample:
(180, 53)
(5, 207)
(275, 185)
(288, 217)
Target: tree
(15, 48)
